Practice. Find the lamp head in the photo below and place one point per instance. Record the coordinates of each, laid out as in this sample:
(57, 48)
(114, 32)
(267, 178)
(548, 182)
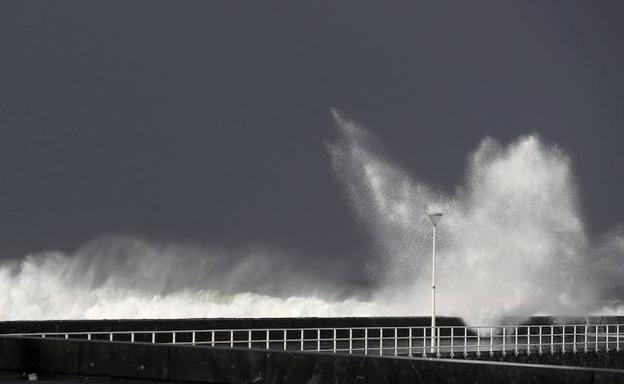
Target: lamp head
(434, 217)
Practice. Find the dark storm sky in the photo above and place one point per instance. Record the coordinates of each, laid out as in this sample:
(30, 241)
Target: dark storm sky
(206, 121)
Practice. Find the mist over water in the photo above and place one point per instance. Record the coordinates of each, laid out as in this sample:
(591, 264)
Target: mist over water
(125, 277)
(512, 241)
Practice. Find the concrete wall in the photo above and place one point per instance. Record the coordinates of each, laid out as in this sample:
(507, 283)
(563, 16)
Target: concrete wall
(215, 365)
(181, 324)
(311, 322)
(613, 359)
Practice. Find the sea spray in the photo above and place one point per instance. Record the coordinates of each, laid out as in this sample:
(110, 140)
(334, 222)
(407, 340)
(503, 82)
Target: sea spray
(511, 242)
(125, 277)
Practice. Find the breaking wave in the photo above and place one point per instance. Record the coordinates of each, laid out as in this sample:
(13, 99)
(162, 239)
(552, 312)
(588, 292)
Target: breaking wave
(512, 241)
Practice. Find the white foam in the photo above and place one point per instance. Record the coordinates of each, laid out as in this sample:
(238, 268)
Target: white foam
(511, 242)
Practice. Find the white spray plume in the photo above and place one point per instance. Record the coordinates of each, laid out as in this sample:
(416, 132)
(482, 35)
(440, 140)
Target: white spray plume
(511, 242)
(124, 277)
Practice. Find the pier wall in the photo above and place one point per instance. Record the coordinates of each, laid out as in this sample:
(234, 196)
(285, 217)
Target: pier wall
(309, 322)
(168, 363)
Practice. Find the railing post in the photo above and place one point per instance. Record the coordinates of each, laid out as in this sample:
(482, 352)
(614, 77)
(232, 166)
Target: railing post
(491, 341)
(173, 338)
(248, 338)
(110, 337)
(409, 344)
(395, 342)
(452, 336)
(563, 340)
(574, 340)
(528, 340)
(539, 350)
(285, 337)
(465, 342)
(231, 339)
(607, 339)
(301, 340)
(478, 342)
(424, 352)
(617, 338)
(504, 349)
(318, 339)
(212, 339)
(132, 337)
(596, 344)
(193, 338)
(335, 340)
(516, 344)
(585, 340)
(437, 341)
(268, 345)
(366, 341)
(552, 343)
(153, 337)
(350, 341)
(380, 341)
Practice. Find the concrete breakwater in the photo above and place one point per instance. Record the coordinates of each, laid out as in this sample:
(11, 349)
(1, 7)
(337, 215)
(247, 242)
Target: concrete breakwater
(7, 327)
(541, 343)
(168, 363)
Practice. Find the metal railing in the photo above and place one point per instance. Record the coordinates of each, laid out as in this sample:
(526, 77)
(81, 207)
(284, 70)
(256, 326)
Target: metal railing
(451, 341)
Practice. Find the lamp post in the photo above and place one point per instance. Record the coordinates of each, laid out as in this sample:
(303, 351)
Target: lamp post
(434, 217)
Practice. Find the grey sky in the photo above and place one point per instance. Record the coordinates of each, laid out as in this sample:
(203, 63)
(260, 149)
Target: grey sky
(205, 121)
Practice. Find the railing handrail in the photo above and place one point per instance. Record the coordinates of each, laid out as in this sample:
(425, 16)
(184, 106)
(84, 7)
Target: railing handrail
(161, 331)
(402, 340)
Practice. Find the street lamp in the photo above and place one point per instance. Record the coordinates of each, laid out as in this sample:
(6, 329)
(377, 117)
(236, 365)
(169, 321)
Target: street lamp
(434, 217)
